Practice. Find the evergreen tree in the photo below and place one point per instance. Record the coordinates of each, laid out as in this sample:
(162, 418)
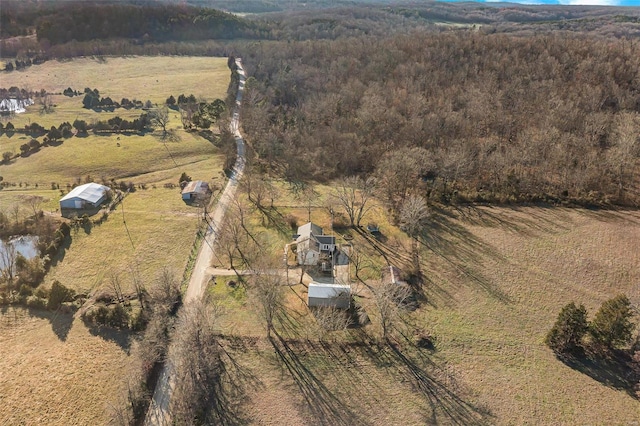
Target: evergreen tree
(612, 326)
(570, 327)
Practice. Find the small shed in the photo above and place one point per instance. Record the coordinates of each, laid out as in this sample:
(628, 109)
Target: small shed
(87, 196)
(335, 295)
(194, 190)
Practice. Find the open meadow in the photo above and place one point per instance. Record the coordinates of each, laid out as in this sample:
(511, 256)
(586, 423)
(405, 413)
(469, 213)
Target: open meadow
(495, 280)
(56, 370)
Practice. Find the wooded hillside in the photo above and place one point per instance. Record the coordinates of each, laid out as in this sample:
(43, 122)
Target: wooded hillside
(469, 115)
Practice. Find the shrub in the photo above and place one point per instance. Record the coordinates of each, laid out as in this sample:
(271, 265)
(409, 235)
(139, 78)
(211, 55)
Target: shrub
(36, 302)
(58, 295)
(570, 327)
(611, 325)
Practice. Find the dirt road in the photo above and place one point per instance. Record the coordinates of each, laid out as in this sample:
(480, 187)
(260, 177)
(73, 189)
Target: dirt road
(158, 413)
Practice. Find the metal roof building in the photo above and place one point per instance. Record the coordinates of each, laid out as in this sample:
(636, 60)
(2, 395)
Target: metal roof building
(195, 189)
(336, 295)
(89, 195)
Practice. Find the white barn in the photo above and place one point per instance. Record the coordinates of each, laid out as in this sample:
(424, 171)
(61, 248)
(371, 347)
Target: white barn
(335, 295)
(87, 196)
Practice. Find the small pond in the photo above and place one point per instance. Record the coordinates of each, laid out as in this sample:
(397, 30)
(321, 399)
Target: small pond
(25, 245)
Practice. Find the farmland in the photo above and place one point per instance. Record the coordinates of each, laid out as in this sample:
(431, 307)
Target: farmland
(53, 360)
(495, 279)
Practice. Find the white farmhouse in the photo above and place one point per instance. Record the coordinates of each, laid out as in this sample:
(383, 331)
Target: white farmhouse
(311, 244)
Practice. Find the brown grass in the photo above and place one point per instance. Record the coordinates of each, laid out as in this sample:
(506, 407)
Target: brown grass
(55, 370)
(495, 281)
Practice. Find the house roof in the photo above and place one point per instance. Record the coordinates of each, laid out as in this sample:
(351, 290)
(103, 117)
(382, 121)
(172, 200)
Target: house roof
(91, 192)
(328, 291)
(196, 186)
(325, 239)
(309, 228)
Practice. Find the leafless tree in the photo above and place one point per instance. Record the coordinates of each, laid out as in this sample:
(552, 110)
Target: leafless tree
(306, 194)
(8, 258)
(46, 103)
(234, 239)
(166, 292)
(35, 201)
(330, 318)
(199, 367)
(267, 289)
(160, 118)
(114, 283)
(413, 214)
(359, 261)
(15, 210)
(391, 300)
(622, 155)
(355, 194)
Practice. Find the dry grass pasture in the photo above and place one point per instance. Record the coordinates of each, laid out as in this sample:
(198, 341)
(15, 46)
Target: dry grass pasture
(56, 370)
(496, 279)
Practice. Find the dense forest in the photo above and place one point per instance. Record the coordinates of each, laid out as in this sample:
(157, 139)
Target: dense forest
(467, 115)
(81, 21)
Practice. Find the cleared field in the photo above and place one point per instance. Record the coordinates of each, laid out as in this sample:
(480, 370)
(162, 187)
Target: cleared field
(496, 279)
(107, 157)
(56, 370)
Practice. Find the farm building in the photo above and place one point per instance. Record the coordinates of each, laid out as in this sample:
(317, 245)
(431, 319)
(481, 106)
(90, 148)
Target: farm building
(194, 190)
(87, 196)
(312, 244)
(335, 295)
(14, 106)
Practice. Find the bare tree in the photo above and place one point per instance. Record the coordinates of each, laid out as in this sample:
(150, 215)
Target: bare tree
(234, 239)
(199, 366)
(35, 201)
(8, 258)
(413, 214)
(354, 195)
(15, 209)
(46, 103)
(621, 156)
(391, 300)
(160, 118)
(114, 283)
(330, 318)
(266, 288)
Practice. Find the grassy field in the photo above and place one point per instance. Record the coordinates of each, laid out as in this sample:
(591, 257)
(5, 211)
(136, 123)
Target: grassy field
(55, 369)
(495, 280)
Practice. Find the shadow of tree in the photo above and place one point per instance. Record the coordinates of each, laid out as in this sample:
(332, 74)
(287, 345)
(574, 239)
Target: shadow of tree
(448, 239)
(325, 407)
(62, 251)
(311, 364)
(446, 404)
(616, 371)
(61, 323)
(122, 338)
(228, 395)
